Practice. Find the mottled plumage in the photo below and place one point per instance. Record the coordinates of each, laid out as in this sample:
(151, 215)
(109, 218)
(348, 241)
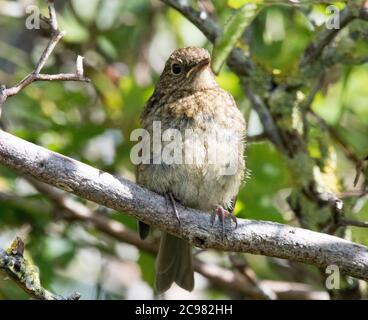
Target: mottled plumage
(192, 99)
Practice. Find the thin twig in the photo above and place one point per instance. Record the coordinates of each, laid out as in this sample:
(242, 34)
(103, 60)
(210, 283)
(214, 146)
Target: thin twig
(348, 151)
(265, 116)
(354, 223)
(35, 75)
(359, 169)
(353, 194)
(199, 18)
(306, 105)
(256, 138)
(76, 211)
(55, 37)
(234, 282)
(326, 37)
(52, 16)
(239, 263)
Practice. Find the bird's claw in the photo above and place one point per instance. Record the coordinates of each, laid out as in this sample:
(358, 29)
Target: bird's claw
(222, 215)
(171, 199)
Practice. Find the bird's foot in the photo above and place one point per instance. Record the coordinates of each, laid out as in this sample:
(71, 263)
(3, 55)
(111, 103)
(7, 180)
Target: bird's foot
(170, 198)
(222, 215)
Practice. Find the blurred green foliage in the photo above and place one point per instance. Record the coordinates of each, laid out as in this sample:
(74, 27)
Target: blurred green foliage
(125, 44)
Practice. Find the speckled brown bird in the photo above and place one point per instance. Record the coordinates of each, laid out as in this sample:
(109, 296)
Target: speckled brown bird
(187, 96)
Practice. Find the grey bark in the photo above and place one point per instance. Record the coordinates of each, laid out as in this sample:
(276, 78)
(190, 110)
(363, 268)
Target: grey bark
(256, 237)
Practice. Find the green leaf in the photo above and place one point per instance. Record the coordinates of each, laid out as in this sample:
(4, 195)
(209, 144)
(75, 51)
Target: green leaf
(86, 9)
(107, 47)
(147, 264)
(232, 32)
(268, 175)
(75, 31)
(236, 4)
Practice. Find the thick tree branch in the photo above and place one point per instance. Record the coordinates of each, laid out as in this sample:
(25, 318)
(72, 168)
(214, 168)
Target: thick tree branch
(257, 237)
(221, 277)
(25, 275)
(218, 276)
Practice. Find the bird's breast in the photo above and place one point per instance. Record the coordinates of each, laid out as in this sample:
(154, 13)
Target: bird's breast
(203, 141)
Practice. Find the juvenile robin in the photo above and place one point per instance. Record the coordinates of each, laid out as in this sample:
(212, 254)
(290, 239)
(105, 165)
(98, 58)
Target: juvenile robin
(187, 98)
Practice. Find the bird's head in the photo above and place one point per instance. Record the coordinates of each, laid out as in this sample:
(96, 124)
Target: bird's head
(187, 69)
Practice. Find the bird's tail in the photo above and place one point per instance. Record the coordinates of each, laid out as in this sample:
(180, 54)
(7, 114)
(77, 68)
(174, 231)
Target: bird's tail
(174, 264)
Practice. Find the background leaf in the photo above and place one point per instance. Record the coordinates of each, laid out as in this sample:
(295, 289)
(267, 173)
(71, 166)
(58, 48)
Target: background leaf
(231, 34)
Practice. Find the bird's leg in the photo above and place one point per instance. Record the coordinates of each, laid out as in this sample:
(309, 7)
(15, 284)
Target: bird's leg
(171, 199)
(223, 214)
(213, 217)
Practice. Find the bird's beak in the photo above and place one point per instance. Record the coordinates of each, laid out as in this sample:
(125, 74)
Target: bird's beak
(198, 67)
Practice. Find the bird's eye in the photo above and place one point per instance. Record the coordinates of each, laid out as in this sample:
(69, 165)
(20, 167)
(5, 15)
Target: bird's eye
(176, 68)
